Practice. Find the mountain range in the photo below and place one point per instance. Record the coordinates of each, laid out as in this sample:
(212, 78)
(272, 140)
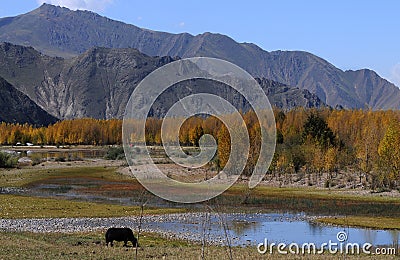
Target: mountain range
(99, 82)
(77, 37)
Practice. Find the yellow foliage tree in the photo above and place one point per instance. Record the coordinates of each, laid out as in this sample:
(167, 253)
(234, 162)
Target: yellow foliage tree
(389, 152)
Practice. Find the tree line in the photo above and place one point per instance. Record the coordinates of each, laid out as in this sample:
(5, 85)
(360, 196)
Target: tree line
(84, 131)
(309, 141)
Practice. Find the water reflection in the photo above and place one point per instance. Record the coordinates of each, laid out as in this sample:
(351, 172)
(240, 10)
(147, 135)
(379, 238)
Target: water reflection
(370, 236)
(74, 154)
(71, 154)
(315, 229)
(252, 229)
(240, 227)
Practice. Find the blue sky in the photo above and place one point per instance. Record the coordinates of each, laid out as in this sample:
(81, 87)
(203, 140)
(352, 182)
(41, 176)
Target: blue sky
(351, 34)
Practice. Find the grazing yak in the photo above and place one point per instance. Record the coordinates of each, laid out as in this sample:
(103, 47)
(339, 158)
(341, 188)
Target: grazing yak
(121, 234)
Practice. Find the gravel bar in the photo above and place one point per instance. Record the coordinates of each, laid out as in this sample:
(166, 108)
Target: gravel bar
(186, 226)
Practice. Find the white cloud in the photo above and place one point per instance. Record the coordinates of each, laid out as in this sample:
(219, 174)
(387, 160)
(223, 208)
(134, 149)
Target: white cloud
(395, 75)
(181, 24)
(93, 5)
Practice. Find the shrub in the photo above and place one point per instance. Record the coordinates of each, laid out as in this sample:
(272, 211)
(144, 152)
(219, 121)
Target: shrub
(115, 153)
(8, 160)
(330, 183)
(36, 159)
(60, 158)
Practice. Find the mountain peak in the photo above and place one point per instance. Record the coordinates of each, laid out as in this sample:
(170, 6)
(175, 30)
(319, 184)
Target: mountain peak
(50, 11)
(49, 8)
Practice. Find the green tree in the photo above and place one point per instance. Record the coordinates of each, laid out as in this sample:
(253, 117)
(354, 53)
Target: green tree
(316, 130)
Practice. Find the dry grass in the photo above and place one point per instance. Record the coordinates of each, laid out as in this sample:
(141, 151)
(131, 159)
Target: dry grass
(312, 193)
(360, 221)
(312, 200)
(12, 206)
(92, 246)
(24, 177)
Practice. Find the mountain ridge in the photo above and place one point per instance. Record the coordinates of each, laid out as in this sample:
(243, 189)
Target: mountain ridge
(60, 31)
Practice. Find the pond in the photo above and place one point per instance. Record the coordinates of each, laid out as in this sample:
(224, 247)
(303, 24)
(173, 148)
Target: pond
(254, 228)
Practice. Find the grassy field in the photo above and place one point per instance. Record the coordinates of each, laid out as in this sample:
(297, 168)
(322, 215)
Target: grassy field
(92, 246)
(312, 200)
(12, 206)
(28, 176)
(25, 207)
(360, 221)
(314, 193)
(367, 209)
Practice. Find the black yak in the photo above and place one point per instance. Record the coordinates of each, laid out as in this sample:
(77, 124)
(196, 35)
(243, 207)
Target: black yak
(121, 234)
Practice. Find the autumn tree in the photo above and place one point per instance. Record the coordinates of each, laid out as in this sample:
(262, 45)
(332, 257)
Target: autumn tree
(331, 159)
(224, 146)
(389, 152)
(195, 134)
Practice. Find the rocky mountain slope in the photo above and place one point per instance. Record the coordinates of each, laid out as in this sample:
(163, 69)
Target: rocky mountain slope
(61, 32)
(95, 84)
(99, 82)
(15, 107)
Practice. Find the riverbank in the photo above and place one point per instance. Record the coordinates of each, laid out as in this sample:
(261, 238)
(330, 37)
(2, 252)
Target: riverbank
(175, 235)
(26, 245)
(362, 221)
(56, 189)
